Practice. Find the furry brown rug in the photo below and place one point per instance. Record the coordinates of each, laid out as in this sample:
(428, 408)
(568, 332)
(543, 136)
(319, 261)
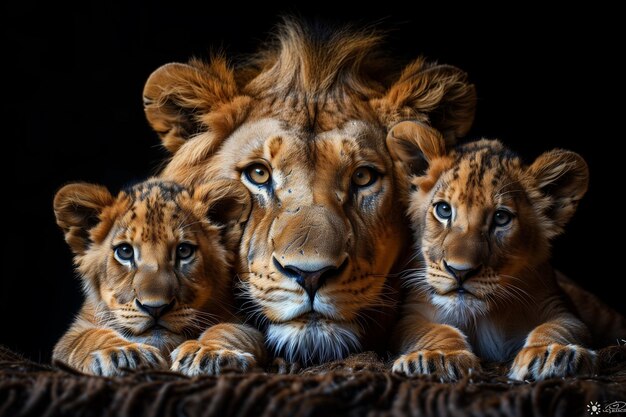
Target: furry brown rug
(358, 386)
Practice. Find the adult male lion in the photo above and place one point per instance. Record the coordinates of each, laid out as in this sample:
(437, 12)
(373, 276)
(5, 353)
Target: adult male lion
(303, 126)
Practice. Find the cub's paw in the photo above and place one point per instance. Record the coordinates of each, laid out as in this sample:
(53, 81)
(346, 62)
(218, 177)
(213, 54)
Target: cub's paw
(445, 365)
(114, 360)
(552, 361)
(193, 358)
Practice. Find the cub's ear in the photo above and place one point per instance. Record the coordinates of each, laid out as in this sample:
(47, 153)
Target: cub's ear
(414, 144)
(77, 208)
(227, 204)
(440, 95)
(177, 97)
(563, 178)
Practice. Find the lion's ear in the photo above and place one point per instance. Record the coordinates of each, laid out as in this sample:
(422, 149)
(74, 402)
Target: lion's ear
(562, 177)
(414, 144)
(177, 96)
(438, 94)
(228, 204)
(77, 208)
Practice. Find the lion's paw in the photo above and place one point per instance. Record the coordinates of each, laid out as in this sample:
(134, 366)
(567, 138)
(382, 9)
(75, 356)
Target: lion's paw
(445, 365)
(193, 358)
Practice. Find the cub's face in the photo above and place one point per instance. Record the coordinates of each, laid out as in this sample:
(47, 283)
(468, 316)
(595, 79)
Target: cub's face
(155, 266)
(478, 230)
(483, 220)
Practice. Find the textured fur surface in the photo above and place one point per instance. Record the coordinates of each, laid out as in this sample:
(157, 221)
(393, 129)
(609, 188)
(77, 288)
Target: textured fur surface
(359, 385)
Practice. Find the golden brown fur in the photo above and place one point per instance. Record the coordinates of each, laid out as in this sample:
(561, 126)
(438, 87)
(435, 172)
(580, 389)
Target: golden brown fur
(155, 264)
(312, 111)
(483, 222)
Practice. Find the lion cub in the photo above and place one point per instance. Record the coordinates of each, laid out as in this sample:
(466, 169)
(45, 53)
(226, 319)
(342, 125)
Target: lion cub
(483, 223)
(155, 269)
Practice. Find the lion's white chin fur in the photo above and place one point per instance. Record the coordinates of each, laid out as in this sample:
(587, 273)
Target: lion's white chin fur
(315, 341)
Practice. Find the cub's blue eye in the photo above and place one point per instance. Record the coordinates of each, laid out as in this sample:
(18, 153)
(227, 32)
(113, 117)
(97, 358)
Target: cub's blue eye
(124, 252)
(185, 251)
(443, 211)
(502, 218)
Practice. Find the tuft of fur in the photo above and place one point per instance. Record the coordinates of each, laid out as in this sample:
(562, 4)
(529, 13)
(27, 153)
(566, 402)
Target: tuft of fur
(314, 61)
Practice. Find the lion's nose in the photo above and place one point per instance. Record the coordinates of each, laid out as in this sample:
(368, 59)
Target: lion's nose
(311, 281)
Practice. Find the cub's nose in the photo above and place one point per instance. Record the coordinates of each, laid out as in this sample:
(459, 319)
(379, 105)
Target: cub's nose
(155, 309)
(462, 272)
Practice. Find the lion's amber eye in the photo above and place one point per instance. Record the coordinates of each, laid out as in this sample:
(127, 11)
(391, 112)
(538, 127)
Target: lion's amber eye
(443, 211)
(502, 218)
(258, 174)
(185, 251)
(364, 176)
(124, 253)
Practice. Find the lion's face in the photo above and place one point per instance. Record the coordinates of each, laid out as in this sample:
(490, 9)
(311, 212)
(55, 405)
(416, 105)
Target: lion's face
(302, 125)
(154, 266)
(324, 231)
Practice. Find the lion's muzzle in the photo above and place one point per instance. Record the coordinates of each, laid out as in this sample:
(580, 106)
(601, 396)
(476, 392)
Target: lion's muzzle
(310, 246)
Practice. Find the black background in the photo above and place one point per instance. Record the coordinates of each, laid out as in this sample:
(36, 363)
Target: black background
(73, 107)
